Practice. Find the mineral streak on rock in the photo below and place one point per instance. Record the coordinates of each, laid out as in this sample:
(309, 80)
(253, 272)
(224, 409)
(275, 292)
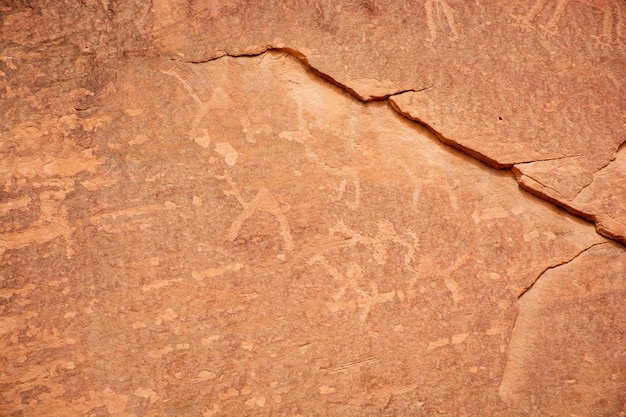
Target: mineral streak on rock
(199, 215)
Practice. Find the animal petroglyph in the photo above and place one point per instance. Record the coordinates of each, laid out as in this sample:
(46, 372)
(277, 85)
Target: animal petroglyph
(428, 265)
(262, 201)
(348, 283)
(348, 174)
(200, 136)
(351, 293)
(385, 234)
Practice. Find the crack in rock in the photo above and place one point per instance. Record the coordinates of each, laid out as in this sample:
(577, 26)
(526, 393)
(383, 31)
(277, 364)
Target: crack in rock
(557, 200)
(532, 284)
(567, 307)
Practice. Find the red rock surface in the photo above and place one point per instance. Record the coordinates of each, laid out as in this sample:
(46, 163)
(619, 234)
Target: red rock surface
(550, 351)
(507, 82)
(239, 236)
(601, 200)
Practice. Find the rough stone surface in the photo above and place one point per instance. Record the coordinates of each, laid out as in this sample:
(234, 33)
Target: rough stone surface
(569, 306)
(507, 82)
(242, 237)
(602, 200)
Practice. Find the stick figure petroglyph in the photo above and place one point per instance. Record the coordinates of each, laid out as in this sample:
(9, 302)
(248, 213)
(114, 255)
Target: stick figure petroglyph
(435, 7)
(612, 20)
(346, 173)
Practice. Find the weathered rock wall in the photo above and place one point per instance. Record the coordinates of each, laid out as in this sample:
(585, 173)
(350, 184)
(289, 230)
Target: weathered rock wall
(233, 208)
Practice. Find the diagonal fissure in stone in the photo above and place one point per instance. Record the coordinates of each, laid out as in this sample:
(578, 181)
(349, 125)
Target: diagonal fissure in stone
(565, 262)
(559, 200)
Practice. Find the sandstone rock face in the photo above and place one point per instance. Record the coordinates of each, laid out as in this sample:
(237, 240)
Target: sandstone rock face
(568, 307)
(189, 233)
(513, 84)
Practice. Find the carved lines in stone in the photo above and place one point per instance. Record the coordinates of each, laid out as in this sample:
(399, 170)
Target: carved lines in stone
(351, 293)
(264, 200)
(348, 174)
(52, 223)
(612, 21)
(434, 8)
(386, 233)
(446, 274)
(200, 136)
(365, 300)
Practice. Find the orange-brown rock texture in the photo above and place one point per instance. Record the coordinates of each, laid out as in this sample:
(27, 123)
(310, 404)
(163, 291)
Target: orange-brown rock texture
(353, 208)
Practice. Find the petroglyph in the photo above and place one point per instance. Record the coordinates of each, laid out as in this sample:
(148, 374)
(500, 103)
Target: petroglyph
(348, 174)
(347, 281)
(262, 201)
(52, 222)
(37, 233)
(37, 167)
(367, 300)
(252, 131)
(612, 26)
(414, 179)
(130, 219)
(293, 263)
(490, 213)
(385, 235)
(216, 271)
(349, 294)
(434, 8)
(54, 176)
(428, 268)
(200, 136)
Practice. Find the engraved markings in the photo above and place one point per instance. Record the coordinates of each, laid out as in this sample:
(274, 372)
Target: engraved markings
(55, 175)
(200, 136)
(434, 8)
(216, 271)
(264, 200)
(352, 293)
(137, 218)
(611, 30)
(52, 222)
(386, 233)
(348, 174)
